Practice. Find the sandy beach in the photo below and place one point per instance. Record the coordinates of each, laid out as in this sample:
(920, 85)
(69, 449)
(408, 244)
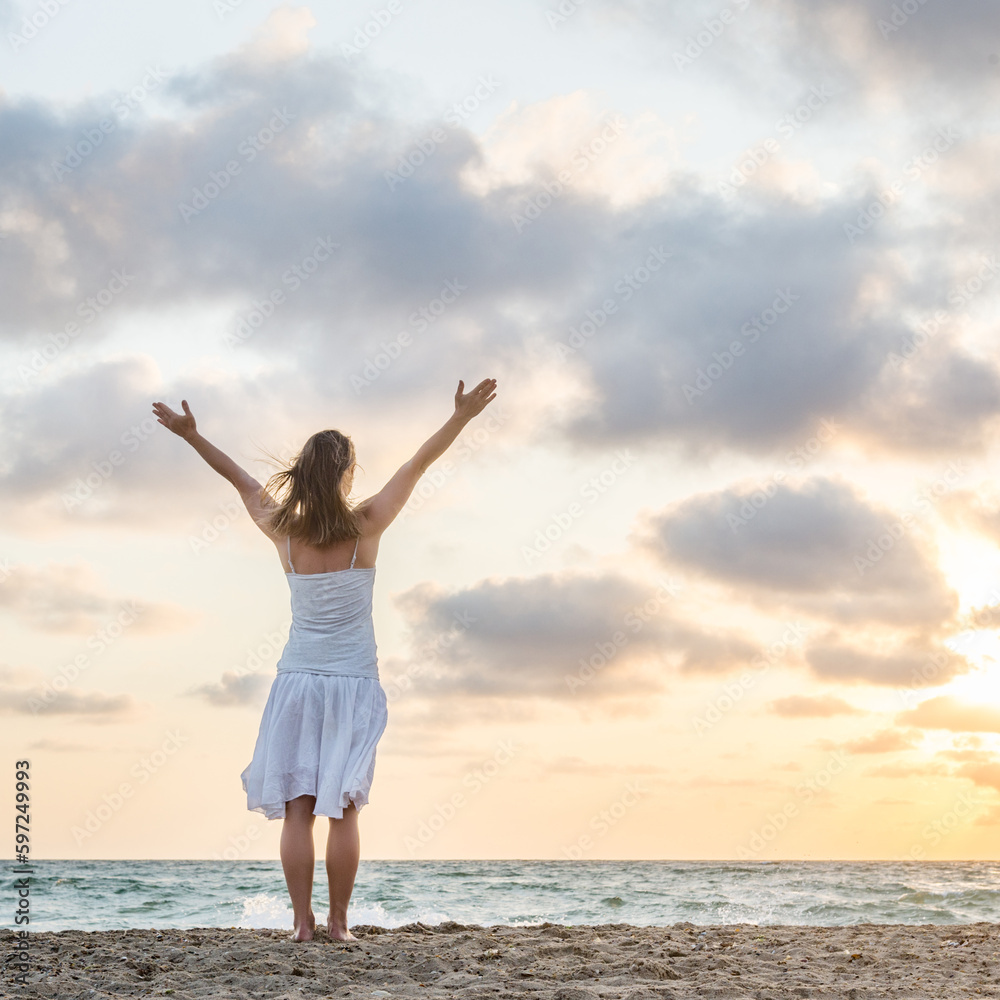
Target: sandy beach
(549, 961)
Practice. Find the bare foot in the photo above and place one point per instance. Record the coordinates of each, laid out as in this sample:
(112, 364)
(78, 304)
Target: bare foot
(338, 933)
(306, 932)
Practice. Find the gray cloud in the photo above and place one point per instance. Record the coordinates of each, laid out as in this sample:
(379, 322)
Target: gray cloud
(872, 50)
(322, 176)
(70, 598)
(94, 706)
(906, 665)
(234, 689)
(64, 458)
(556, 636)
(801, 548)
(887, 42)
(816, 548)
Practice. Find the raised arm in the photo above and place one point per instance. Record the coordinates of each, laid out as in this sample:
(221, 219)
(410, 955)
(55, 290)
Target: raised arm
(381, 509)
(183, 425)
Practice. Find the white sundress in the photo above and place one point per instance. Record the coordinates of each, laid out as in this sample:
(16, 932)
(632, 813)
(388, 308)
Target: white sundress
(326, 709)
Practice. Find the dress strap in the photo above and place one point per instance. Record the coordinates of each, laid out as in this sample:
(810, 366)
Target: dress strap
(355, 556)
(290, 553)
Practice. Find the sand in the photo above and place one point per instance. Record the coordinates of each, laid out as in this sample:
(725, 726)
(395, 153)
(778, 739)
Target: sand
(547, 962)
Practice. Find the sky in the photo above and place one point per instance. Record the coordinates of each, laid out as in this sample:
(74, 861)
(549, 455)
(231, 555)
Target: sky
(715, 576)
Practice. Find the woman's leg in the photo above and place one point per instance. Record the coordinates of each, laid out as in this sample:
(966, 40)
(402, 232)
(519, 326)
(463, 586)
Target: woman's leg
(298, 859)
(343, 848)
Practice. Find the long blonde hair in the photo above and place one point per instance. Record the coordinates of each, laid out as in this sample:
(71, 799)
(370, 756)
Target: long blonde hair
(310, 501)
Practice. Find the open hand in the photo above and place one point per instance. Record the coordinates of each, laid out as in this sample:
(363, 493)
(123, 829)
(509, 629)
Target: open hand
(181, 424)
(468, 404)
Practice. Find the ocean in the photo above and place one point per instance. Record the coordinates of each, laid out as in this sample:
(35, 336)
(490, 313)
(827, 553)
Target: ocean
(104, 895)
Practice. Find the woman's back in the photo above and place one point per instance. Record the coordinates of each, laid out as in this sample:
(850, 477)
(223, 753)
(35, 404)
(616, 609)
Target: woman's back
(332, 630)
(346, 554)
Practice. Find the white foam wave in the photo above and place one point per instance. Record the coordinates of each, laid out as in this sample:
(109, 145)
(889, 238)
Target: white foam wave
(265, 910)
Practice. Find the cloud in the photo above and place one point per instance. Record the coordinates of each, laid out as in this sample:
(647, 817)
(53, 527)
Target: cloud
(885, 741)
(234, 688)
(806, 547)
(818, 548)
(876, 52)
(908, 48)
(968, 756)
(579, 767)
(557, 636)
(71, 599)
(45, 700)
(321, 174)
(282, 36)
(990, 818)
(906, 664)
(974, 511)
(985, 775)
(59, 746)
(909, 770)
(946, 712)
(119, 468)
(805, 707)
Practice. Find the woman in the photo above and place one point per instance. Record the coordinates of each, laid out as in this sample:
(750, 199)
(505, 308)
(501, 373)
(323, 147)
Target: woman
(315, 751)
